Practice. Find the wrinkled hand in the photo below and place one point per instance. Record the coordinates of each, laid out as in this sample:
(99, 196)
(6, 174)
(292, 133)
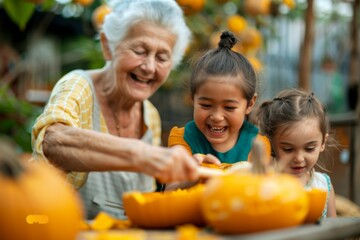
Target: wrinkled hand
(170, 164)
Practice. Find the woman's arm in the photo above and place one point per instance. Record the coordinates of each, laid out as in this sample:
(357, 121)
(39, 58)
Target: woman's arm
(75, 149)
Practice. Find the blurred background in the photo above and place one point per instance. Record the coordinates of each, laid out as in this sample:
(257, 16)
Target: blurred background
(309, 44)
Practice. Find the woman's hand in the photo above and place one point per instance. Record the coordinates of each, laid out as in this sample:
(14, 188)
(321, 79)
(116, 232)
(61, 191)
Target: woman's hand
(173, 164)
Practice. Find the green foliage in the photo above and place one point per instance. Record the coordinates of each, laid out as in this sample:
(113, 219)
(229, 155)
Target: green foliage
(82, 52)
(16, 118)
(19, 11)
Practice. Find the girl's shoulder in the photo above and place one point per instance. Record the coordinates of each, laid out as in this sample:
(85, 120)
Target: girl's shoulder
(320, 180)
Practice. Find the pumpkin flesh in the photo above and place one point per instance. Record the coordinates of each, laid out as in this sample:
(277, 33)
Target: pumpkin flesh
(164, 209)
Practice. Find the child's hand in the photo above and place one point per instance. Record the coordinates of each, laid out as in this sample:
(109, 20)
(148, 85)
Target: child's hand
(208, 158)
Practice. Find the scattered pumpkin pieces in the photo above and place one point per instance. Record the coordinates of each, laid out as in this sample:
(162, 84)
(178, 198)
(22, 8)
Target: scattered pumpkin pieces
(104, 221)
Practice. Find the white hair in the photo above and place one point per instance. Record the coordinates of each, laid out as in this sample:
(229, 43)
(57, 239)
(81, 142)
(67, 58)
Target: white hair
(165, 13)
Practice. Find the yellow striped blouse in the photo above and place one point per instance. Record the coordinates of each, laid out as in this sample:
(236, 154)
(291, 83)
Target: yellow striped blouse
(71, 103)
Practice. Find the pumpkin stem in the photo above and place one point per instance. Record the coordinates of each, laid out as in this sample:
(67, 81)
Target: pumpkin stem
(10, 164)
(258, 158)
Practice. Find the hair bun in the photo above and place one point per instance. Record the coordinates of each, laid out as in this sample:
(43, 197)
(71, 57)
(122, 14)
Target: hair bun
(227, 40)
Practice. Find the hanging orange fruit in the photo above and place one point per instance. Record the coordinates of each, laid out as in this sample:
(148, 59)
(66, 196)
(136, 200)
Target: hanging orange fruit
(191, 7)
(99, 14)
(36, 202)
(250, 39)
(257, 7)
(214, 39)
(254, 201)
(84, 3)
(236, 23)
(164, 209)
(256, 63)
(290, 3)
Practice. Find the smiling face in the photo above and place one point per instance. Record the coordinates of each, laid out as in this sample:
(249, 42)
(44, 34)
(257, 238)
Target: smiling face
(219, 111)
(143, 60)
(297, 149)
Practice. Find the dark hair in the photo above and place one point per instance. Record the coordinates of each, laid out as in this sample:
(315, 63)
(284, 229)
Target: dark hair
(288, 107)
(224, 62)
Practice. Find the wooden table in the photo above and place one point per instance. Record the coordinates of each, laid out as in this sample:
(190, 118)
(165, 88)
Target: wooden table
(331, 228)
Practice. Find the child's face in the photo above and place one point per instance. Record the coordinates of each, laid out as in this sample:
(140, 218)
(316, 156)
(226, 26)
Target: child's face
(297, 149)
(219, 111)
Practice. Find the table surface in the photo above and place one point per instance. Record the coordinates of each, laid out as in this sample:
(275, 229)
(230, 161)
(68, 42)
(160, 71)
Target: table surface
(330, 228)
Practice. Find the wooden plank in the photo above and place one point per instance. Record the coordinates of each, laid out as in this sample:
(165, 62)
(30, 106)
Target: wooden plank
(330, 228)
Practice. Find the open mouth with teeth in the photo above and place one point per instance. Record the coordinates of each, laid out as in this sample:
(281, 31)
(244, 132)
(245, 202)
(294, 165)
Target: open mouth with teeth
(137, 79)
(216, 130)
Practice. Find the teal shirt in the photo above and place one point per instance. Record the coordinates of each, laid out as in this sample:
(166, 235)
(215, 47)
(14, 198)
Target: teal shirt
(199, 144)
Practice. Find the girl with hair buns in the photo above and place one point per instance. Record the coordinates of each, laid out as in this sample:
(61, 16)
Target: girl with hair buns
(297, 126)
(99, 126)
(222, 87)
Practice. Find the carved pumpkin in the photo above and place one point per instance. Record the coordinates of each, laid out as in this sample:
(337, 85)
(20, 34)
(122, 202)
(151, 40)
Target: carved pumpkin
(254, 201)
(164, 209)
(35, 201)
(317, 199)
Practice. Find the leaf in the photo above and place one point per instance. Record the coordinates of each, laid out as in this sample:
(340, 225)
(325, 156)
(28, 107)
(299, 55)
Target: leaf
(19, 11)
(47, 5)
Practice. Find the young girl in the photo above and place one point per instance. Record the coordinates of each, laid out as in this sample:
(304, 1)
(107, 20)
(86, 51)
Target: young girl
(222, 87)
(298, 129)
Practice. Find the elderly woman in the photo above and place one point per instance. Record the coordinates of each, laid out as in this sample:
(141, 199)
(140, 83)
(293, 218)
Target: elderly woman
(98, 125)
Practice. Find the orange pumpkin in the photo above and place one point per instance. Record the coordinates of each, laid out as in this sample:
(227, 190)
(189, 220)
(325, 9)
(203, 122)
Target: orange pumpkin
(164, 209)
(253, 201)
(35, 201)
(317, 199)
